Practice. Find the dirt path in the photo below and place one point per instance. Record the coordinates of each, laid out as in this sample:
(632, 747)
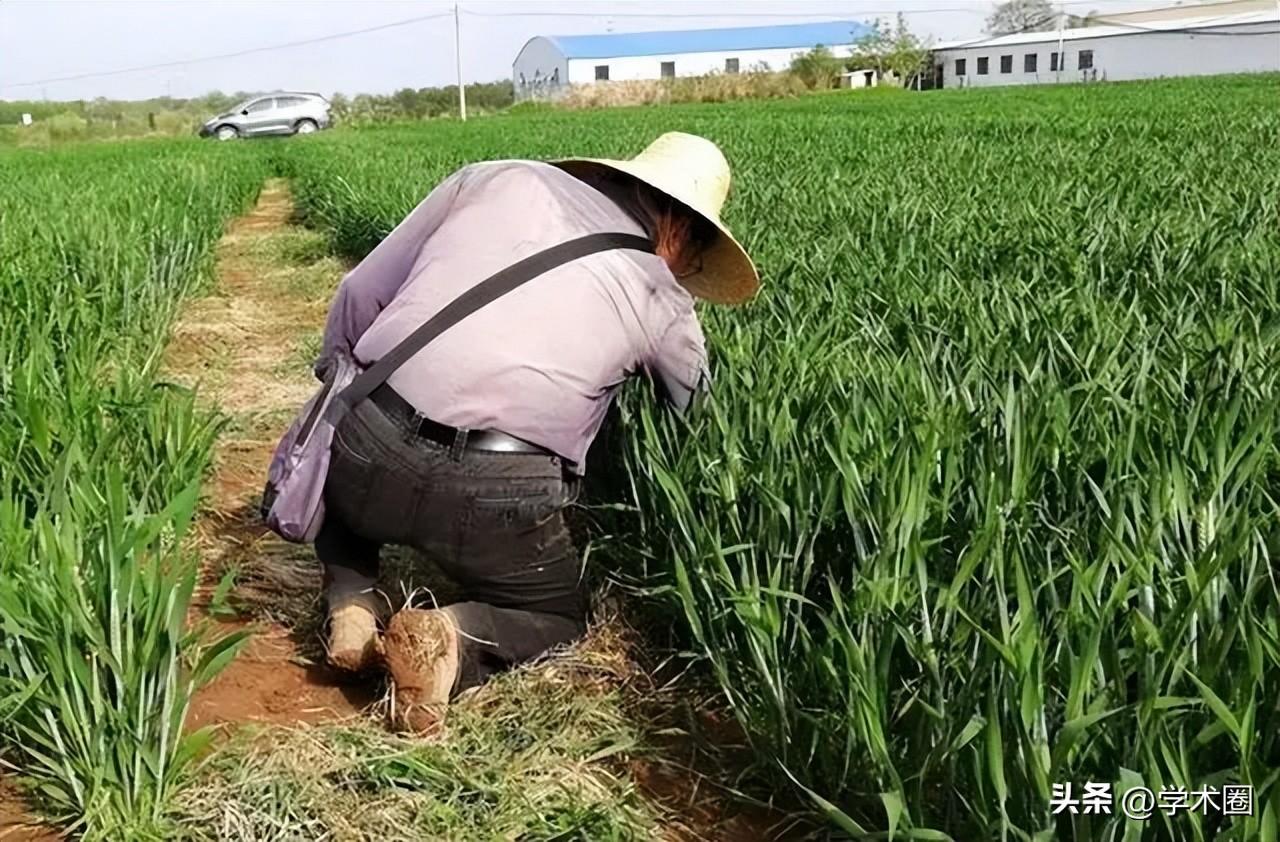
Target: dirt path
(244, 346)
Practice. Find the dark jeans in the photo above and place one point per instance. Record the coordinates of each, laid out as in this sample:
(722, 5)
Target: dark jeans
(493, 522)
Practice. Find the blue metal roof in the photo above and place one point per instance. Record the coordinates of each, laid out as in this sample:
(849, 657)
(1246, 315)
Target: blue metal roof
(615, 45)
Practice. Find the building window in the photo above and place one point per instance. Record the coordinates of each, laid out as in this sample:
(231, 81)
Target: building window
(960, 67)
(1029, 63)
(1006, 64)
(602, 72)
(668, 69)
(1086, 59)
(1053, 62)
(731, 65)
(982, 66)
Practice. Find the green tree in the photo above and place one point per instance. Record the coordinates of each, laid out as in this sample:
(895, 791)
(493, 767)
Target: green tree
(340, 105)
(891, 50)
(817, 68)
(214, 102)
(1074, 21)
(1022, 16)
(409, 102)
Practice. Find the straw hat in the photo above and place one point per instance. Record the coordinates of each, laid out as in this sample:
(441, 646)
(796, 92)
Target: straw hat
(693, 171)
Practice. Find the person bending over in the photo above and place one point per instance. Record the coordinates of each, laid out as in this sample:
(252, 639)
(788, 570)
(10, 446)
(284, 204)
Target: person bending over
(473, 448)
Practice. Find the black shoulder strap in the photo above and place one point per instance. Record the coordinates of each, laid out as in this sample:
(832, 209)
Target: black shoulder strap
(473, 299)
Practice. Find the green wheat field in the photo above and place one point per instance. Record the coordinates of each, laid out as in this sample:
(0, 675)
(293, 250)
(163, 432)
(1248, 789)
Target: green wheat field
(984, 497)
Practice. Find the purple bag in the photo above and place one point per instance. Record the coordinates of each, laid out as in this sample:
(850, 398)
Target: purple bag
(293, 502)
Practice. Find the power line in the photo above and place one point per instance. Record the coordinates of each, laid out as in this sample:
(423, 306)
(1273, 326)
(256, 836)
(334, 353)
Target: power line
(978, 42)
(860, 13)
(745, 15)
(321, 39)
(409, 21)
(1191, 31)
(1203, 30)
(791, 15)
(1032, 27)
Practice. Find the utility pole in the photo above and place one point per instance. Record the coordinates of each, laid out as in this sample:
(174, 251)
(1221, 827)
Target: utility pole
(457, 51)
(1062, 56)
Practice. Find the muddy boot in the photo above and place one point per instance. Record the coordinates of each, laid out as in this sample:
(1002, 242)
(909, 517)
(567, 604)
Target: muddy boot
(353, 633)
(421, 654)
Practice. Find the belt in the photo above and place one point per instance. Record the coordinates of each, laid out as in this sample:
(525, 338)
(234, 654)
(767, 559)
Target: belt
(454, 438)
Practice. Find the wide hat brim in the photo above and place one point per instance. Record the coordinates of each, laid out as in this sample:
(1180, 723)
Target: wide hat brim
(727, 274)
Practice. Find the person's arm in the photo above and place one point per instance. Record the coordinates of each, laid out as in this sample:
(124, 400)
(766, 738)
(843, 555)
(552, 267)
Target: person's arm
(679, 361)
(368, 288)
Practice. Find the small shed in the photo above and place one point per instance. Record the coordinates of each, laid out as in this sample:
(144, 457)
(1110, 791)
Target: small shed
(867, 78)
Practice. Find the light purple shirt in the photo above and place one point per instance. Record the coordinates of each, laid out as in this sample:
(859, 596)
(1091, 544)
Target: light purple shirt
(543, 362)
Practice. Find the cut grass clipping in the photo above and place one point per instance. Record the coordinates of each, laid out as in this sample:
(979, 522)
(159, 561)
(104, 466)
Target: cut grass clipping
(526, 757)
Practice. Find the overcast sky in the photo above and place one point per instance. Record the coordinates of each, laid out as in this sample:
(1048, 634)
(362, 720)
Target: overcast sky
(44, 40)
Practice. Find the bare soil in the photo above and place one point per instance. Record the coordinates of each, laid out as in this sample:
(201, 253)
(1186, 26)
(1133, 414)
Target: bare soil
(16, 822)
(269, 682)
(231, 343)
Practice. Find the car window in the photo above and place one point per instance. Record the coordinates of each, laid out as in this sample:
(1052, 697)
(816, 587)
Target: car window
(259, 105)
(289, 101)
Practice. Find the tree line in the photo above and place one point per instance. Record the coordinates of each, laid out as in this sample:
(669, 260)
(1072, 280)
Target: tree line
(174, 114)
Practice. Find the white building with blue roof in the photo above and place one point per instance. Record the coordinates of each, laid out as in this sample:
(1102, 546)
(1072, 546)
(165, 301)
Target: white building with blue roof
(550, 62)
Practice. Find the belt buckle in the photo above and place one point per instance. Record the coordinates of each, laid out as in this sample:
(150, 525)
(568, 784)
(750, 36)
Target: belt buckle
(459, 444)
(417, 423)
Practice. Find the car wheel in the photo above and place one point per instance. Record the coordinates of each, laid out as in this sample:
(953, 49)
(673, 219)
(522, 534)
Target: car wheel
(305, 127)
(227, 133)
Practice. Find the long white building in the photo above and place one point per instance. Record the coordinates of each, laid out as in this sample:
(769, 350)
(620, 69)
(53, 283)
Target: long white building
(547, 63)
(1236, 43)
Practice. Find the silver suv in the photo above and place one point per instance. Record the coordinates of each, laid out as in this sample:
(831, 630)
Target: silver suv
(283, 112)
